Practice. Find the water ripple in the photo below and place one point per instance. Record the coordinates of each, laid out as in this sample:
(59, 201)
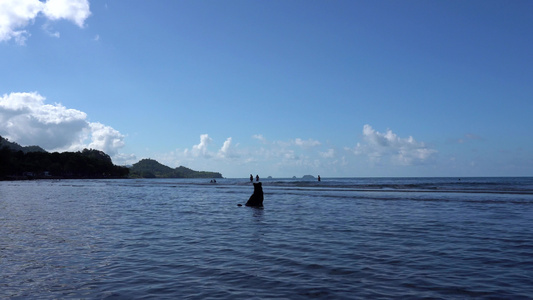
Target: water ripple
(169, 239)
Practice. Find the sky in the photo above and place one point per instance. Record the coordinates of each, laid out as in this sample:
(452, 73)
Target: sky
(275, 88)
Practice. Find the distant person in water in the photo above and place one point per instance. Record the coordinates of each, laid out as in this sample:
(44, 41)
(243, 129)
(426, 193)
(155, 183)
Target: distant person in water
(251, 178)
(318, 177)
(256, 177)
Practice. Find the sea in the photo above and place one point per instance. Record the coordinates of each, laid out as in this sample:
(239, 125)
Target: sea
(340, 238)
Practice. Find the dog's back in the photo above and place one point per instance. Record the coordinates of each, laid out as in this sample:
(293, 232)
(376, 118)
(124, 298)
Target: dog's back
(257, 197)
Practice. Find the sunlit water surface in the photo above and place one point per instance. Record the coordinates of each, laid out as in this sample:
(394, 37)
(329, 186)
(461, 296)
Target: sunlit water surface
(335, 239)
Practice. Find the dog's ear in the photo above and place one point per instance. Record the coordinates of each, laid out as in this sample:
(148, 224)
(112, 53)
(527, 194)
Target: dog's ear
(259, 184)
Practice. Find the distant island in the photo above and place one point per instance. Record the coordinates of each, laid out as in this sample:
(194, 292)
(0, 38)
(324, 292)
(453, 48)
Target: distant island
(33, 162)
(305, 177)
(149, 168)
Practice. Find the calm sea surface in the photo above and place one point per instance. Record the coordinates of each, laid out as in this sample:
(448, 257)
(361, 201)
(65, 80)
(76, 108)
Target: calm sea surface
(352, 238)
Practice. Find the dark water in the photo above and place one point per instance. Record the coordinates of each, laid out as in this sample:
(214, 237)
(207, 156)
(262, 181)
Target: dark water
(338, 239)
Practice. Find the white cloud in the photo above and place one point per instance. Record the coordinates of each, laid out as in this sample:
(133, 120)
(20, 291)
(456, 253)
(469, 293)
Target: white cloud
(306, 144)
(260, 137)
(26, 119)
(272, 157)
(73, 10)
(227, 150)
(105, 138)
(290, 155)
(47, 28)
(287, 154)
(226, 147)
(297, 156)
(401, 151)
(16, 15)
(330, 153)
(122, 159)
(309, 143)
(200, 149)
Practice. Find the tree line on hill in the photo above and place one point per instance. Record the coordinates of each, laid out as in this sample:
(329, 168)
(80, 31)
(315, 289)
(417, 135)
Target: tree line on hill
(149, 168)
(18, 162)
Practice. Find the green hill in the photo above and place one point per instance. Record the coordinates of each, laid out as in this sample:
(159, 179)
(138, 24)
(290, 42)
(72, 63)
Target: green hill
(149, 168)
(16, 147)
(17, 165)
(18, 162)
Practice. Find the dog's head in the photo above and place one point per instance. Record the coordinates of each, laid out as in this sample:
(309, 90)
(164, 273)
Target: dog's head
(258, 187)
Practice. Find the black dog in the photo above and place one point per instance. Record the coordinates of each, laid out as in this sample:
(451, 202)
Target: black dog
(256, 200)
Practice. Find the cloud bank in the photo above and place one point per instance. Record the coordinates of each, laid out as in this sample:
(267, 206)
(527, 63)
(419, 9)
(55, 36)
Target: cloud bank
(299, 156)
(266, 155)
(26, 119)
(15, 15)
(401, 151)
(201, 150)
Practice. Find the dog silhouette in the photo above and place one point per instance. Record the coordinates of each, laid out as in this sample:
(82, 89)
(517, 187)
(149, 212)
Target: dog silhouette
(256, 199)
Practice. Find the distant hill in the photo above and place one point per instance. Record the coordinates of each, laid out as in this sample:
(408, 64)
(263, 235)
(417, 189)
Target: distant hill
(19, 162)
(89, 163)
(149, 168)
(16, 147)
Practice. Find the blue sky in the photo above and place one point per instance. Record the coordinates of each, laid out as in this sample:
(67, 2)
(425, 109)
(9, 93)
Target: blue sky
(275, 88)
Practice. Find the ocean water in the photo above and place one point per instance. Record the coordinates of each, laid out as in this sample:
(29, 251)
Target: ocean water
(350, 238)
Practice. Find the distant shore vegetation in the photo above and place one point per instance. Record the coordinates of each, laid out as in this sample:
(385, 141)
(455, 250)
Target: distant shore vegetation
(149, 168)
(88, 164)
(33, 162)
